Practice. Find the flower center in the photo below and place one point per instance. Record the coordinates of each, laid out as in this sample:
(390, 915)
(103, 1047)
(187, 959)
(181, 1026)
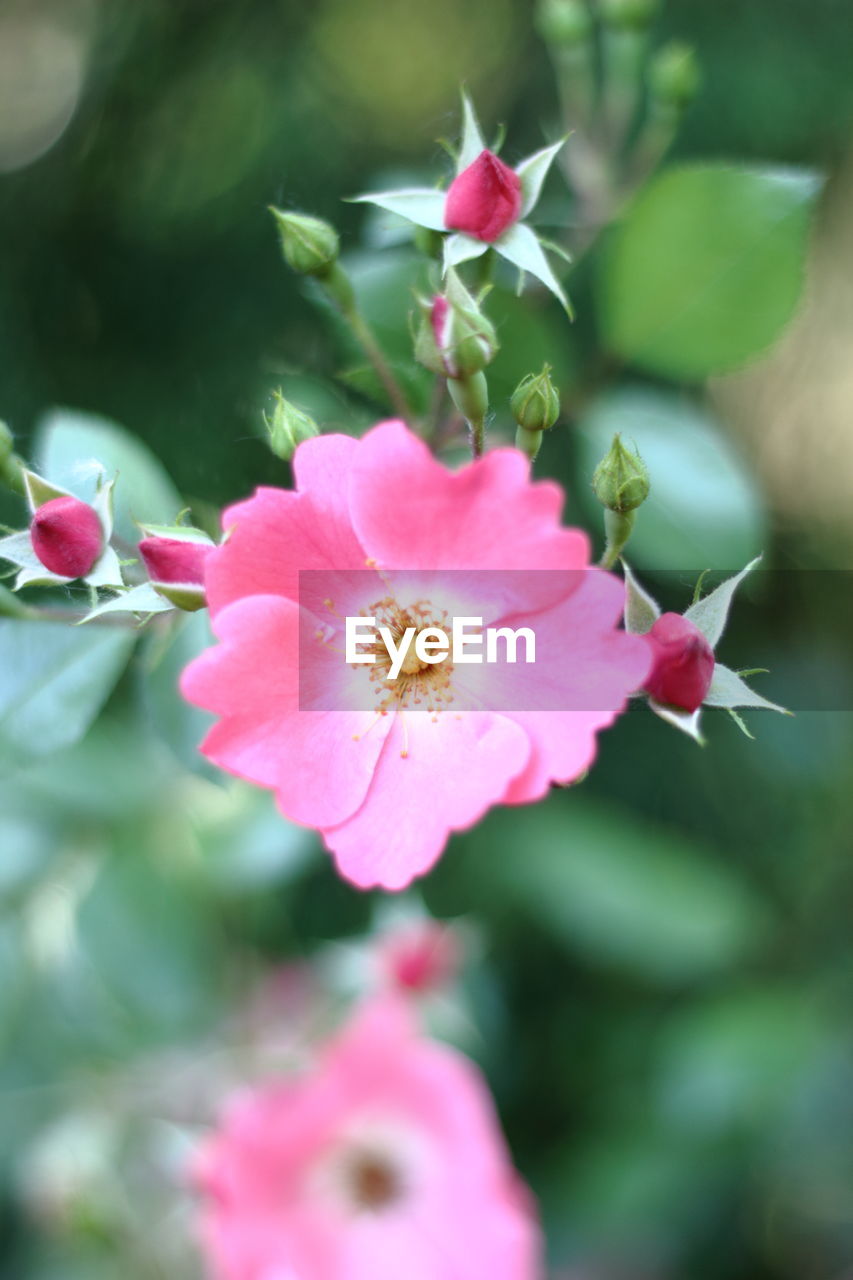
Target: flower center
(372, 1181)
(422, 685)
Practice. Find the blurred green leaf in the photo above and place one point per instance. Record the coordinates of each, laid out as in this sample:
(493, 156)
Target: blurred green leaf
(732, 1061)
(706, 267)
(703, 511)
(179, 724)
(66, 441)
(151, 939)
(54, 679)
(623, 892)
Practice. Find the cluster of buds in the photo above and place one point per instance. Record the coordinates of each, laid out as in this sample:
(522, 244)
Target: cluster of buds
(456, 341)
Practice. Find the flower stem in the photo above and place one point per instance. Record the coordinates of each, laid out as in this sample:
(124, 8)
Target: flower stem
(339, 287)
(471, 396)
(618, 526)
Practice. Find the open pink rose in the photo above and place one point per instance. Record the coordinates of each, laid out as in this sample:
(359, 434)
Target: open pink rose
(387, 789)
(384, 1161)
(484, 199)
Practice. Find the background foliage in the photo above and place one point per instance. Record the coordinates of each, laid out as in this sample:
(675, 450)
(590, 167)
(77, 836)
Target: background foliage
(661, 989)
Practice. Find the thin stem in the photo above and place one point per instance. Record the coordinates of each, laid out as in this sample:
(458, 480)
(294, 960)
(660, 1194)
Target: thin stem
(339, 287)
(618, 526)
(376, 356)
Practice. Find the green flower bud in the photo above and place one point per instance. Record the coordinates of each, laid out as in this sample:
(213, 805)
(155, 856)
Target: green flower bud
(674, 75)
(535, 402)
(564, 22)
(454, 338)
(629, 13)
(471, 397)
(621, 479)
(287, 427)
(310, 245)
(7, 442)
(528, 442)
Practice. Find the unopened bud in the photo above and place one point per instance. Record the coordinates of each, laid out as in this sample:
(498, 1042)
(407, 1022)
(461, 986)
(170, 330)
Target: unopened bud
(420, 958)
(535, 402)
(310, 245)
(683, 662)
(67, 536)
(564, 22)
(176, 568)
(629, 13)
(454, 337)
(621, 479)
(287, 427)
(485, 199)
(674, 75)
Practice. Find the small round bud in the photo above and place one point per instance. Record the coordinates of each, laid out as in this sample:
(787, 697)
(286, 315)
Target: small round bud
(287, 427)
(674, 75)
(564, 22)
(629, 13)
(621, 479)
(535, 402)
(310, 245)
(67, 536)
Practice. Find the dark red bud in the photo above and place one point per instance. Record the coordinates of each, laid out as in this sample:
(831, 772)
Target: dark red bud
(67, 536)
(485, 199)
(173, 560)
(683, 662)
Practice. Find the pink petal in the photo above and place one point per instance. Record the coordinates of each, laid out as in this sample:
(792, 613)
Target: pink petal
(251, 680)
(456, 767)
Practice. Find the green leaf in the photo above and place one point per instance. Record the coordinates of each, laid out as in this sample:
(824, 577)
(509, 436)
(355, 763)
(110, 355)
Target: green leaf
(710, 613)
(420, 205)
(54, 679)
(703, 509)
(68, 442)
(621, 890)
(706, 267)
(728, 690)
(472, 137)
(641, 611)
(533, 171)
(686, 721)
(520, 246)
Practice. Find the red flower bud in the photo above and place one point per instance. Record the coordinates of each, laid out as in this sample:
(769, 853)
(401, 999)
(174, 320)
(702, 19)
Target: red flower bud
(683, 662)
(485, 199)
(174, 560)
(67, 536)
(438, 320)
(423, 957)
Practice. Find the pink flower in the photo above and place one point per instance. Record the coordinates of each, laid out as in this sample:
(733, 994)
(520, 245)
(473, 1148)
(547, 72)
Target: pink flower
(484, 199)
(67, 536)
(384, 1161)
(386, 790)
(174, 560)
(419, 957)
(683, 662)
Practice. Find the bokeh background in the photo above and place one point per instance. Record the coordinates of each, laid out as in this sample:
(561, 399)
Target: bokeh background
(660, 977)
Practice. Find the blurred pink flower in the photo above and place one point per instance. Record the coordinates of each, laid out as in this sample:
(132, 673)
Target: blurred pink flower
(419, 957)
(386, 790)
(385, 1161)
